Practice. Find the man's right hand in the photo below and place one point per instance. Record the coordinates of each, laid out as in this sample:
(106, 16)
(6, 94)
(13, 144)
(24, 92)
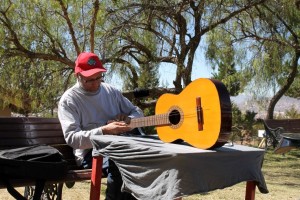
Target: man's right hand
(115, 128)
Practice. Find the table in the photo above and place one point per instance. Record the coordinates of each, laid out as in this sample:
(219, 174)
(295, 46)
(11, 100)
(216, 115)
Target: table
(152, 169)
(287, 142)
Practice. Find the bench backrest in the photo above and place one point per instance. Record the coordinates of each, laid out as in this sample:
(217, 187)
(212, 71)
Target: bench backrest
(25, 131)
(288, 125)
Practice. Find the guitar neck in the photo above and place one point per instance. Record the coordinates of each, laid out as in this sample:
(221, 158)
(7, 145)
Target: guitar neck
(155, 120)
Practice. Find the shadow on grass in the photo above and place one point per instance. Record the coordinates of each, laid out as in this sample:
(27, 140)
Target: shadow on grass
(279, 169)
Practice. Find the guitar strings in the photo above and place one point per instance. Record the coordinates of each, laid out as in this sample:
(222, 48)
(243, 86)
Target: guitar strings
(166, 116)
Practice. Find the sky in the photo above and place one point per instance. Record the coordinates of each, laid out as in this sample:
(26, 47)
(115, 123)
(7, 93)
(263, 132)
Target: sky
(167, 73)
(201, 69)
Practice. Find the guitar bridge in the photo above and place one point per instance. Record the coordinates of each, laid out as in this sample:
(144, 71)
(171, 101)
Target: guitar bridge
(199, 114)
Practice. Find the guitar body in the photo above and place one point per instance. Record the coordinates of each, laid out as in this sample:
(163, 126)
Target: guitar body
(215, 120)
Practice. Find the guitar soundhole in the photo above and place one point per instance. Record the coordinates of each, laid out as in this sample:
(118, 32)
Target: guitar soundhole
(174, 117)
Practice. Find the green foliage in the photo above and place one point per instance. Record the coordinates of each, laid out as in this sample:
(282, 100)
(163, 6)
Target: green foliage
(148, 76)
(230, 77)
(221, 54)
(262, 43)
(248, 45)
(39, 43)
(149, 130)
(149, 79)
(243, 124)
(27, 88)
(291, 113)
(294, 90)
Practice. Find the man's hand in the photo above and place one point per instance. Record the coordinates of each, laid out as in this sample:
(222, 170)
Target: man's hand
(115, 128)
(121, 118)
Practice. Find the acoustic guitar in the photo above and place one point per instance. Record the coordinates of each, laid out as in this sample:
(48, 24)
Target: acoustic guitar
(200, 115)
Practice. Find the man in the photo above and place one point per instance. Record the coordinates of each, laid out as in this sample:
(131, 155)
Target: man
(92, 107)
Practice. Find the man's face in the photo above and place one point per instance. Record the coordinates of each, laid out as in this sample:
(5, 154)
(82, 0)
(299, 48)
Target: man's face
(92, 83)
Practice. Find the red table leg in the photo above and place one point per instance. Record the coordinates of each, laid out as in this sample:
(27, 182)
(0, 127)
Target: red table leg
(96, 178)
(250, 190)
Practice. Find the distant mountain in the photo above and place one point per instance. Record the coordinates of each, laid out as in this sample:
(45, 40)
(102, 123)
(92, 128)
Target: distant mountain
(245, 103)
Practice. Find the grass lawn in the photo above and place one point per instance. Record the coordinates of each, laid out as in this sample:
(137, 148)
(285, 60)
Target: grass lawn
(282, 175)
(281, 172)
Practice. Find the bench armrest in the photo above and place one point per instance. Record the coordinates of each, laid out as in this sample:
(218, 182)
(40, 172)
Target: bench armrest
(273, 135)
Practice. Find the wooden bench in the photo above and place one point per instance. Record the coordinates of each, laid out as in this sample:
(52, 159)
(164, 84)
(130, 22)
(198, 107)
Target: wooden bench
(275, 129)
(25, 131)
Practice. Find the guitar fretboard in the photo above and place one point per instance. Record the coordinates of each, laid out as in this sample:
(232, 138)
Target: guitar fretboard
(155, 120)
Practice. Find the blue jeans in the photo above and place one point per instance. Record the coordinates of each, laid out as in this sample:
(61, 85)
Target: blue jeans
(114, 178)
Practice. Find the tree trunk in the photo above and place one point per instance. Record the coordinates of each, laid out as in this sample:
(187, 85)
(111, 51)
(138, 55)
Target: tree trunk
(281, 92)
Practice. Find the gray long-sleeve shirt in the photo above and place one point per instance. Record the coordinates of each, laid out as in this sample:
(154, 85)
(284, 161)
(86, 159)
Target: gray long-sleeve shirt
(81, 113)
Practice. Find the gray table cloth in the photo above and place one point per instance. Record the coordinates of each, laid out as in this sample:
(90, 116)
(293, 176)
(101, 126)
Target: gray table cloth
(155, 170)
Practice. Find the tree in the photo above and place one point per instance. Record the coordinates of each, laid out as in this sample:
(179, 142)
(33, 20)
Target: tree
(268, 36)
(294, 90)
(177, 26)
(292, 113)
(118, 31)
(242, 124)
(55, 32)
(33, 56)
(221, 54)
(26, 88)
(279, 40)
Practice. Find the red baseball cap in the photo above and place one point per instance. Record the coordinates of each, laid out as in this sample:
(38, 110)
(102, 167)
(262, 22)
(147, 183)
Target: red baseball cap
(87, 64)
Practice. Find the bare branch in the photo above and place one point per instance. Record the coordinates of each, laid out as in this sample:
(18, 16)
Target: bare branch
(70, 25)
(94, 18)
